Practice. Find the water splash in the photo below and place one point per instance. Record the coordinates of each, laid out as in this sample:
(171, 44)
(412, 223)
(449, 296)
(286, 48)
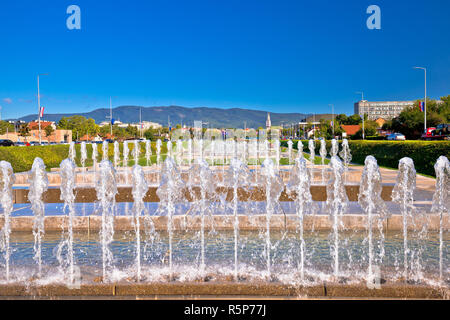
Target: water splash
(126, 152)
(67, 173)
(290, 143)
(345, 154)
(441, 201)
(158, 152)
(105, 150)
(237, 176)
(300, 184)
(323, 154)
(106, 189)
(169, 192)
(202, 177)
(299, 149)
(312, 151)
(140, 188)
(7, 180)
(136, 152)
(334, 147)
(337, 205)
(72, 153)
(83, 154)
(38, 185)
(370, 200)
(116, 154)
(148, 152)
(274, 186)
(403, 194)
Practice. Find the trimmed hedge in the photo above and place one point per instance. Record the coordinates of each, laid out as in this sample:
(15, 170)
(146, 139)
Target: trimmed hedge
(21, 158)
(388, 153)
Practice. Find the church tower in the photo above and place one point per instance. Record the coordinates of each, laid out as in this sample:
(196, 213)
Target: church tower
(268, 123)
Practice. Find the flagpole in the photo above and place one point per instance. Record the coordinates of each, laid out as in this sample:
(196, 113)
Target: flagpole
(425, 101)
(39, 111)
(39, 106)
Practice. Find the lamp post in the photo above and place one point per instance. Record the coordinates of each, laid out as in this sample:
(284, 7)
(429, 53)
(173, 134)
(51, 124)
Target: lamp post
(425, 100)
(362, 99)
(39, 106)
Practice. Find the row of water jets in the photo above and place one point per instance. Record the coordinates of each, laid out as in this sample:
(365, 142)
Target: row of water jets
(226, 150)
(171, 190)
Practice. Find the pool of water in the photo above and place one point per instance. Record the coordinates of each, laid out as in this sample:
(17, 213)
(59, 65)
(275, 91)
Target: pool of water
(423, 256)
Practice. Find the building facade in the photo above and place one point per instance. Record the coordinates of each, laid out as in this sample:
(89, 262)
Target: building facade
(381, 109)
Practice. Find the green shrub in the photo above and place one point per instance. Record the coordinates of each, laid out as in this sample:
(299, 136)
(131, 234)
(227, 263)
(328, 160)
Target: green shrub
(388, 153)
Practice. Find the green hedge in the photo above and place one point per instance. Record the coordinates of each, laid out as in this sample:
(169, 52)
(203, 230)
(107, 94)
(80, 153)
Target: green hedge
(388, 153)
(21, 158)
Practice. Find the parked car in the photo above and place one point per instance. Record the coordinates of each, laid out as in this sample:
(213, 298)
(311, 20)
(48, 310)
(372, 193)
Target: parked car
(20, 144)
(6, 143)
(396, 136)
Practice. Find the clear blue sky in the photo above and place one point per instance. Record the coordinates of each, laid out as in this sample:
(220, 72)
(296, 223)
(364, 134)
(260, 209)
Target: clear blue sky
(277, 55)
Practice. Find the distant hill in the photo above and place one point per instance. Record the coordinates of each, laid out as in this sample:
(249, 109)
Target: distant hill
(215, 117)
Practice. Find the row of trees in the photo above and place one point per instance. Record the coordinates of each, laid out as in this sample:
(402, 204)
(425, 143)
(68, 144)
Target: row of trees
(410, 122)
(81, 126)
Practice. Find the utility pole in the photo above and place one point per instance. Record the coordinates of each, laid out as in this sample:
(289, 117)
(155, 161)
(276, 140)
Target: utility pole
(332, 119)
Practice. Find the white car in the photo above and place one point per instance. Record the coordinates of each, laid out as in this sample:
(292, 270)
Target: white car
(396, 136)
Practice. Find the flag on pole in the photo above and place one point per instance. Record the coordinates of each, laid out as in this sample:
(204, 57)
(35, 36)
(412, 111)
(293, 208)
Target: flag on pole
(422, 106)
(41, 112)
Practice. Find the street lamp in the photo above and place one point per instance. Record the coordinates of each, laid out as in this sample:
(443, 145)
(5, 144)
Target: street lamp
(362, 99)
(39, 106)
(425, 100)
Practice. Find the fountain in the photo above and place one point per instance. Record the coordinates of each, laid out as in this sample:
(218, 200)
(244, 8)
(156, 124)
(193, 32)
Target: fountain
(136, 152)
(158, 152)
(337, 204)
(125, 153)
(6, 202)
(290, 143)
(116, 154)
(312, 151)
(203, 229)
(345, 153)
(274, 186)
(334, 147)
(300, 185)
(72, 153)
(237, 176)
(371, 202)
(403, 194)
(441, 201)
(67, 195)
(148, 152)
(299, 149)
(83, 154)
(105, 146)
(140, 187)
(202, 177)
(106, 189)
(323, 155)
(169, 192)
(38, 185)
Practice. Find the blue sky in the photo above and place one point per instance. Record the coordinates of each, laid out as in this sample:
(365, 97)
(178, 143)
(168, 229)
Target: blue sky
(277, 55)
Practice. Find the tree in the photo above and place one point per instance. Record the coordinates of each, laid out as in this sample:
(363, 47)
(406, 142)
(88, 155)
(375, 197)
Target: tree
(410, 121)
(6, 126)
(370, 129)
(24, 130)
(79, 125)
(49, 131)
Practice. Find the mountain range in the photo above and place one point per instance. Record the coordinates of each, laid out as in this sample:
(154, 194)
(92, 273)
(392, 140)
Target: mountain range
(213, 117)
